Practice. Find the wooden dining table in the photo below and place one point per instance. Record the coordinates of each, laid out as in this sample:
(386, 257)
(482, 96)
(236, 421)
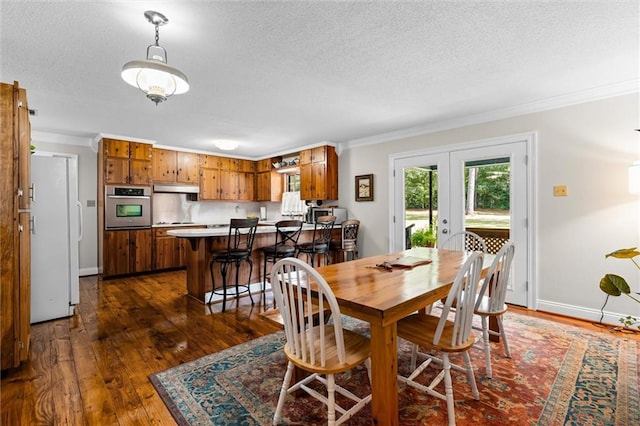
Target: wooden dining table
(381, 297)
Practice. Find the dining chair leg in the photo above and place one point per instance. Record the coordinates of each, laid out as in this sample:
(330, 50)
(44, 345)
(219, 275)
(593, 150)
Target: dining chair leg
(448, 389)
(414, 357)
(283, 392)
(331, 400)
(487, 348)
(504, 337)
(471, 377)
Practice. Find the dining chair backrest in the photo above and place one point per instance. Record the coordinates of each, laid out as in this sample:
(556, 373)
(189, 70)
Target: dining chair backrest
(288, 232)
(463, 294)
(349, 234)
(291, 279)
(242, 233)
(322, 231)
(464, 241)
(497, 279)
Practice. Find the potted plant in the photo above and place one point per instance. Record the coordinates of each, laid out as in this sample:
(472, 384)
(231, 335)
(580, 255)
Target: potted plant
(423, 237)
(615, 285)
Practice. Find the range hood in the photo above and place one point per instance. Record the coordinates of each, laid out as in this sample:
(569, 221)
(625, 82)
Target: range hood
(176, 188)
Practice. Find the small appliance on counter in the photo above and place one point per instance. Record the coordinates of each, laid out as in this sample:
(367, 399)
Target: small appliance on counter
(313, 213)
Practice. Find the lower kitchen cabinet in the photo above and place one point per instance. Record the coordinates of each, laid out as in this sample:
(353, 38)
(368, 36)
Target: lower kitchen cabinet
(126, 252)
(169, 252)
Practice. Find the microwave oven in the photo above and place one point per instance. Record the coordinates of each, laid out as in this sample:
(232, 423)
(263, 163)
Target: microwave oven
(315, 212)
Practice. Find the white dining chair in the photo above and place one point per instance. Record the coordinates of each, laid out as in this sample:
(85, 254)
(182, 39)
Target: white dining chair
(442, 336)
(491, 300)
(464, 241)
(323, 349)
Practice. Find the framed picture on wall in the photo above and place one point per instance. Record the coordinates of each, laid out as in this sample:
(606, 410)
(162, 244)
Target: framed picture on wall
(364, 188)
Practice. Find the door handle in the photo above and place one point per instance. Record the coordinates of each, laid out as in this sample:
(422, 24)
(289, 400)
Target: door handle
(81, 230)
(32, 224)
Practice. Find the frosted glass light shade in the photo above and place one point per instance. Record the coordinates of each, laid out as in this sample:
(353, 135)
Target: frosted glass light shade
(156, 79)
(226, 145)
(634, 178)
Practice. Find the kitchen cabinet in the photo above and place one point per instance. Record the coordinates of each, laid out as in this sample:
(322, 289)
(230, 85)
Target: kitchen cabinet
(126, 252)
(169, 252)
(209, 184)
(126, 162)
(209, 177)
(237, 179)
(175, 167)
(269, 184)
(319, 173)
(223, 178)
(15, 229)
(246, 186)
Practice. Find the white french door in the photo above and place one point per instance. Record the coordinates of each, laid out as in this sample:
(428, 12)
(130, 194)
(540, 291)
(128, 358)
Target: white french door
(446, 174)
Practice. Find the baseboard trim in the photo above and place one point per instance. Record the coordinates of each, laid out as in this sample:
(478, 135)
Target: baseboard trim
(594, 315)
(88, 271)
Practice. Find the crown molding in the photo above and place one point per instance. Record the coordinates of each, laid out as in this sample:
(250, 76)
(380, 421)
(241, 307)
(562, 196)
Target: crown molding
(58, 138)
(584, 96)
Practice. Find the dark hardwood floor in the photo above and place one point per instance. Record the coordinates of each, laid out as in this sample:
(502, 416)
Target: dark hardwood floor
(92, 369)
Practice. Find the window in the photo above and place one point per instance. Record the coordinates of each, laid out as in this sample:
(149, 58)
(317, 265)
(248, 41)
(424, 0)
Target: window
(291, 182)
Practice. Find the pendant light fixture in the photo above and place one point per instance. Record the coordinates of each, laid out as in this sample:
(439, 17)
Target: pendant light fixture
(153, 76)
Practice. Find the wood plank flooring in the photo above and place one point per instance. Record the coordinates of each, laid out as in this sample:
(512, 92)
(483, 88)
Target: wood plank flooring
(92, 368)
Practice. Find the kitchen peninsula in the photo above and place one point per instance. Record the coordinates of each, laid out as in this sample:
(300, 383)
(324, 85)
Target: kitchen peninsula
(203, 241)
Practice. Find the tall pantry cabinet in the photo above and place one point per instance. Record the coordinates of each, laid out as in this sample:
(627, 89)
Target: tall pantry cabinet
(15, 230)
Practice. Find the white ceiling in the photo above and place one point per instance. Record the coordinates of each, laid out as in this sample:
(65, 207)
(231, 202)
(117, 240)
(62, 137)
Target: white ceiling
(276, 76)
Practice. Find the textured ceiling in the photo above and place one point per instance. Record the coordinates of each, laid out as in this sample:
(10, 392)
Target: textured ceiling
(276, 76)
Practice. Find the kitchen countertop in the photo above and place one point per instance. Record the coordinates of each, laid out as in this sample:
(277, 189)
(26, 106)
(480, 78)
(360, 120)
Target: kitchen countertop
(211, 225)
(223, 231)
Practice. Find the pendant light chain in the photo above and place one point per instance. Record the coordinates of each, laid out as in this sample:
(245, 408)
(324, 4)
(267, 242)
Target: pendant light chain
(157, 35)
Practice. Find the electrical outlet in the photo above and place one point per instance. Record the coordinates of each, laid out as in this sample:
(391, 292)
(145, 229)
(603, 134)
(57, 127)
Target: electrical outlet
(560, 191)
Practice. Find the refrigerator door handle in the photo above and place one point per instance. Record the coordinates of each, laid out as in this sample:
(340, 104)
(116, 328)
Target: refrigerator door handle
(81, 221)
(33, 224)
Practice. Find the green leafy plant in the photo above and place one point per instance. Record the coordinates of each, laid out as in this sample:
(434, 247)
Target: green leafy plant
(423, 237)
(615, 285)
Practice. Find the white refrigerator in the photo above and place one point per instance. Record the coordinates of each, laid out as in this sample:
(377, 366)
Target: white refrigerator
(56, 228)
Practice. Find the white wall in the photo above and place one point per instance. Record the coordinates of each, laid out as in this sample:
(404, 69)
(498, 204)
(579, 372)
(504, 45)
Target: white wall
(587, 147)
(87, 187)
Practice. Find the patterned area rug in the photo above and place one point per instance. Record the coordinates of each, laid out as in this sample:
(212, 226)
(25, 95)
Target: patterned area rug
(558, 375)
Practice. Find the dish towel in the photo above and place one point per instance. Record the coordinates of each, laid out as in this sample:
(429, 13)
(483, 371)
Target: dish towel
(292, 204)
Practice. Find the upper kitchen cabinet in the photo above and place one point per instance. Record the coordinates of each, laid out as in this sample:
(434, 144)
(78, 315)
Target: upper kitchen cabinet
(268, 182)
(15, 224)
(126, 162)
(175, 167)
(319, 173)
(224, 178)
(210, 177)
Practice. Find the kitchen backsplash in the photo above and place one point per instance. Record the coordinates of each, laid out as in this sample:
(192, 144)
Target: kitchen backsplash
(171, 208)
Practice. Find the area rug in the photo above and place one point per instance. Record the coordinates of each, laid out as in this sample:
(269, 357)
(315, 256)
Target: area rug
(558, 375)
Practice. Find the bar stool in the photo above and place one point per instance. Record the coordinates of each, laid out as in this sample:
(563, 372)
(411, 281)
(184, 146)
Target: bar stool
(287, 234)
(242, 233)
(321, 241)
(349, 241)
